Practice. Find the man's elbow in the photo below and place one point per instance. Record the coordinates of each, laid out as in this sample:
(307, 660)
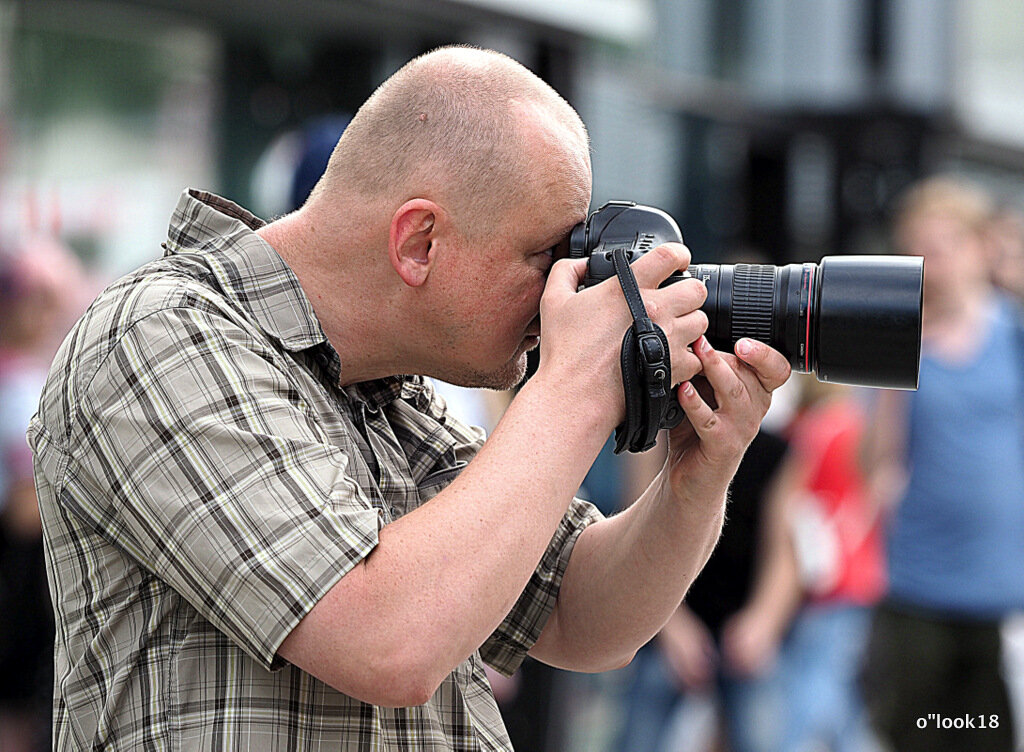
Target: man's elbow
(403, 689)
(599, 663)
(371, 661)
(582, 656)
(394, 681)
(621, 661)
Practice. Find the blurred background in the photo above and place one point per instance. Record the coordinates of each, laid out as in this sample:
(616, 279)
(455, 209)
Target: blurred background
(788, 125)
(772, 130)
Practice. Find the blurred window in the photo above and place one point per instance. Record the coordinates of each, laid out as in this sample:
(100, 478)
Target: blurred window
(106, 113)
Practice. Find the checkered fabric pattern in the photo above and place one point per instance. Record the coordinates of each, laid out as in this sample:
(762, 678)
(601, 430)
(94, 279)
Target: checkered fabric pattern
(204, 481)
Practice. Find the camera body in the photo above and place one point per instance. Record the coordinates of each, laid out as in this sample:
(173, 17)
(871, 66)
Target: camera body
(850, 319)
(633, 227)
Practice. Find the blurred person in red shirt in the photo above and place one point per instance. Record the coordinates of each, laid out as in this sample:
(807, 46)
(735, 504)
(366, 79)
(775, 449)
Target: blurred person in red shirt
(824, 530)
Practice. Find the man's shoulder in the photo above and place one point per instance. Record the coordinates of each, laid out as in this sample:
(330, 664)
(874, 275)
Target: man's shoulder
(182, 281)
(162, 286)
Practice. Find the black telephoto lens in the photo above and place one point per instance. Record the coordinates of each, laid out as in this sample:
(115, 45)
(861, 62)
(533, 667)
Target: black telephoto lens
(849, 319)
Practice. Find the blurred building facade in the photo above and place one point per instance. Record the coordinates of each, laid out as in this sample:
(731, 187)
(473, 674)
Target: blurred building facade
(786, 125)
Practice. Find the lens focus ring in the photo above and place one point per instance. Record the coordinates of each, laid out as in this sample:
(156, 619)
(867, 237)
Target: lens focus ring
(753, 289)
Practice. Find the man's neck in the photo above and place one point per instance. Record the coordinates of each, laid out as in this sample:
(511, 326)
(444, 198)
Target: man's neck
(344, 282)
(955, 331)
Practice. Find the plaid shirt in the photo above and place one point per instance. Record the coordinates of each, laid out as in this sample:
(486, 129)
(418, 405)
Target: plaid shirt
(204, 481)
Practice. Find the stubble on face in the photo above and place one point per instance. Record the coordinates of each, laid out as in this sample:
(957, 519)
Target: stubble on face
(507, 377)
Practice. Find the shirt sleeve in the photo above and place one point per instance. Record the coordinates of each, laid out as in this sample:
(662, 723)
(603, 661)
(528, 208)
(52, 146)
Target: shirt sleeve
(507, 647)
(209, 469)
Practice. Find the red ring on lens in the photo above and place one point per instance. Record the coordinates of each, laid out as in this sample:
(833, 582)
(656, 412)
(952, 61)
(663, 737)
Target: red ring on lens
(806, 292)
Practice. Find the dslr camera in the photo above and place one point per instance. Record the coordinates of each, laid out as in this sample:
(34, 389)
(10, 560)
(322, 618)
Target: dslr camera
(848, 319)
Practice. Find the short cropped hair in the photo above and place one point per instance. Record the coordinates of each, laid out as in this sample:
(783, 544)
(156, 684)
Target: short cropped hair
(446, 118)
(949, 195)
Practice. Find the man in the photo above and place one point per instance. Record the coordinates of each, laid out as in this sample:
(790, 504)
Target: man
(945, 463)
(261, 535)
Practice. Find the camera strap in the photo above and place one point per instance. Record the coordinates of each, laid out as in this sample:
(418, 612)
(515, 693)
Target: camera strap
(646, 368)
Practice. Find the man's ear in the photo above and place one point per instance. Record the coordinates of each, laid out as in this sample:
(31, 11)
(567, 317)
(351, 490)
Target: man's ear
(411, 240)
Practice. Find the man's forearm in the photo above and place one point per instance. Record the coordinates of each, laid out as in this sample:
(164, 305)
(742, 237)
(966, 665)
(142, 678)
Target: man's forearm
(629, 573)
(443, 577)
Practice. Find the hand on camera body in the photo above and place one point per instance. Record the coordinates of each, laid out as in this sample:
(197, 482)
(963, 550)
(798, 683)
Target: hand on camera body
(724, 406)
(724, 395)
(583, 330)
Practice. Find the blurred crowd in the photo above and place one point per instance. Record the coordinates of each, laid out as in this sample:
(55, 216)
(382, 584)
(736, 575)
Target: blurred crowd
(869, 581)
(868, 589)
(42, 288)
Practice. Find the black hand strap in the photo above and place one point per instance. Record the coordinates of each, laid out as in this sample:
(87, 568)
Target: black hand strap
(646, 368)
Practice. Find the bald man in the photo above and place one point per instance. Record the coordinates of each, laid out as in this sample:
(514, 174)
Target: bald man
(265, 531)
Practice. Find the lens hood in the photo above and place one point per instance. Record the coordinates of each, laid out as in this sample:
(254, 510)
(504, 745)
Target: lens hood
(868, 328)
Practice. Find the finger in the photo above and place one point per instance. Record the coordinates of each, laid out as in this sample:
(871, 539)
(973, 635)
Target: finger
(685, 364)
(564, 279)
(727, 383)
(700, 415)
(705, 390)
(770, 366)
(685, 330)
(676, 299)
(656, 265)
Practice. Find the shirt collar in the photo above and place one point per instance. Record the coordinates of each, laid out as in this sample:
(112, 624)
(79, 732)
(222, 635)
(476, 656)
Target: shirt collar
(256, 279)
(249, 271)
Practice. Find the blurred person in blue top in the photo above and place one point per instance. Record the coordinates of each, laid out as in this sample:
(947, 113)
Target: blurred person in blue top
(1006, 243)
(949, 460)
